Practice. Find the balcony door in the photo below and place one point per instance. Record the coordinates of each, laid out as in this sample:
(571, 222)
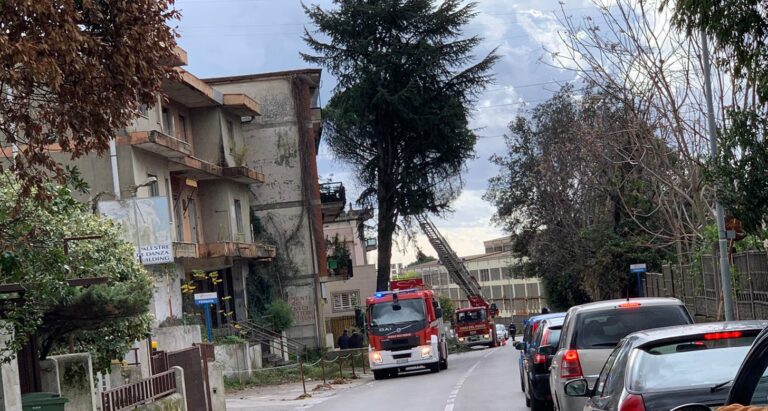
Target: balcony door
(192, 213)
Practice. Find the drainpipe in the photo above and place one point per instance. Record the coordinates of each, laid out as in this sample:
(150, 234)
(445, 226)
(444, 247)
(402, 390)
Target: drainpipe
(113, 160)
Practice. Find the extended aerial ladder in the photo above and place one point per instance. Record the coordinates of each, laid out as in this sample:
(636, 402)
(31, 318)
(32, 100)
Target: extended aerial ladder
(455, 266)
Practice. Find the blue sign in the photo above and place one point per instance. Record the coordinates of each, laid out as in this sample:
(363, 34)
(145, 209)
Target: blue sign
(637, 268)
(206, 298)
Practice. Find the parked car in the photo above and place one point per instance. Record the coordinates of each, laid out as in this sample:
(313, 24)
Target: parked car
(536, 363)
(501, 333)
(658, 370)
(529, 327)
(591, 332)
(750, 385)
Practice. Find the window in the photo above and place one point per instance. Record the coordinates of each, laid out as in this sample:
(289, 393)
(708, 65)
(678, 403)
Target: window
(167, 121)
(484, 275)
(345, 301)
(154, 188)
(183, 128)
(239, 220)
(495, 274)
(143, 110)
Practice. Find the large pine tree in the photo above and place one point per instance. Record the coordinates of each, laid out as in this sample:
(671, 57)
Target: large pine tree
(399, 114)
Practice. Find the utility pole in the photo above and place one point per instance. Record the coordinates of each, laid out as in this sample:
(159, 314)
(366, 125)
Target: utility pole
(725, 273)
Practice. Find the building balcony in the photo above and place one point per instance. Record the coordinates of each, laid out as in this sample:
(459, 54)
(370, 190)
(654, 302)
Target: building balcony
(257, 251)
(159, 143)
(243, 174)
(371, 244)
(333, 198)
(195, 168)
(185, 250)
(242, 105)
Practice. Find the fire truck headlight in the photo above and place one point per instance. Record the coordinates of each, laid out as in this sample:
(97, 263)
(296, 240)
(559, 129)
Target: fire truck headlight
(486, 336)
(461, 339)
(426, 351)
(376, 357)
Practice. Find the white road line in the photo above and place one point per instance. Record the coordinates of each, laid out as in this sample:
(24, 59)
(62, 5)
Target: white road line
(449, 407)
(459, 384)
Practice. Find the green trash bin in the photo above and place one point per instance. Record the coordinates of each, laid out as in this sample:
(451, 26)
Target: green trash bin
(43, 401)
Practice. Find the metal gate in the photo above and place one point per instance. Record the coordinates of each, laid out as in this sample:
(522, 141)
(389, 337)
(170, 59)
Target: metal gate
(159, 362)
(195, 377)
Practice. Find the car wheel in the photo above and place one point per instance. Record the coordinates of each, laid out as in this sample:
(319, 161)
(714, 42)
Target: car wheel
(444, 364)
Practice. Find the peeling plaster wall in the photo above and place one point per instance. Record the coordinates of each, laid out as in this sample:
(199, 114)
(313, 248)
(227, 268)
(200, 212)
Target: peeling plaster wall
(273, 145)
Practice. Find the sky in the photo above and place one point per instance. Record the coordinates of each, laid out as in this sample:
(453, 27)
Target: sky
(232, 37)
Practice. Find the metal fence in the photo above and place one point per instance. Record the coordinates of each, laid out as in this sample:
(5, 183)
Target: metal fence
(142, 392)
(699, 287)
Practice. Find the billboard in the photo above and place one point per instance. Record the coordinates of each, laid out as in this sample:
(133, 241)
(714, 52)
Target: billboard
(146, 223)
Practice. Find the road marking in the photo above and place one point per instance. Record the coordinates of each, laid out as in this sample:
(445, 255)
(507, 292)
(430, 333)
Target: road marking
(457, 387)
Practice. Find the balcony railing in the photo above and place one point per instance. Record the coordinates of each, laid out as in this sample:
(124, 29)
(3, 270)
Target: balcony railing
(159, 143)
(333, 193)
(185, 250)
(333, 197)
(371, 244)
(142, 392)
(256, 251)
(243, 174)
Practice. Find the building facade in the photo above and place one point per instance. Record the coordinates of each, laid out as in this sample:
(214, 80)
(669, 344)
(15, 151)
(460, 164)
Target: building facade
(291, 205)
(183, 150)
(494, 271)
(343, 295)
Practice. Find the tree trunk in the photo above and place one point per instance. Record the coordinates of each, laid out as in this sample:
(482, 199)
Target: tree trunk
(386, 230)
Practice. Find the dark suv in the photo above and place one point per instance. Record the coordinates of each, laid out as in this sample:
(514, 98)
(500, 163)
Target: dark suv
(530, 326)
(536, 361)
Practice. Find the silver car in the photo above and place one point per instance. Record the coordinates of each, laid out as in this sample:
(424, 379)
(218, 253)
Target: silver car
(591, 331)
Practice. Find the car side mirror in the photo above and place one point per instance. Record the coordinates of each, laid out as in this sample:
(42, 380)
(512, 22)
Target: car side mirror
(577, 388)
(692, 407)
(547, 350)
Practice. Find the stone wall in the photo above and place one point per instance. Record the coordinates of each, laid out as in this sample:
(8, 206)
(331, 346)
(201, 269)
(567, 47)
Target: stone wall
(177, 337)
(71, 375)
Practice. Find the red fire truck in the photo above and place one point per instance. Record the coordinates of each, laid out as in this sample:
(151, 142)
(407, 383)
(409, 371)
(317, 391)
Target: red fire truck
(405, 329)
(474, 325)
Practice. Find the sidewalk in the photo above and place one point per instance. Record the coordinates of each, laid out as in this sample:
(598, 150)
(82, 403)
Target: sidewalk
(287, 396)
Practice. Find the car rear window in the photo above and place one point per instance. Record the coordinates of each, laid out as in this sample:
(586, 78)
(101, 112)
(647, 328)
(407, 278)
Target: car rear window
(603, 329)
(659, 368)
(552, 337)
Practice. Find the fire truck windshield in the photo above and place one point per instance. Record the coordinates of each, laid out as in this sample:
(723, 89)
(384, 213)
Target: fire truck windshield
(470, 316)
(384, 313)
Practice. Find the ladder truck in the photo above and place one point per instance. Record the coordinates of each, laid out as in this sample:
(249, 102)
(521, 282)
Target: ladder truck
(473, 325)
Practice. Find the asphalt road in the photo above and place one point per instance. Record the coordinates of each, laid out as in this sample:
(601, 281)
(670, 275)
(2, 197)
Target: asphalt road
(484, 379)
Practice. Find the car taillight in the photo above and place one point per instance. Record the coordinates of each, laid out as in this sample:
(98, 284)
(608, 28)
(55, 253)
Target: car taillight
(722, 335)
(539, 359)
(571, 367)
(632, 402)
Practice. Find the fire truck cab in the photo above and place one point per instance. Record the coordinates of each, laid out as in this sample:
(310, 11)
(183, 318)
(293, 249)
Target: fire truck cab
(405, 330)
